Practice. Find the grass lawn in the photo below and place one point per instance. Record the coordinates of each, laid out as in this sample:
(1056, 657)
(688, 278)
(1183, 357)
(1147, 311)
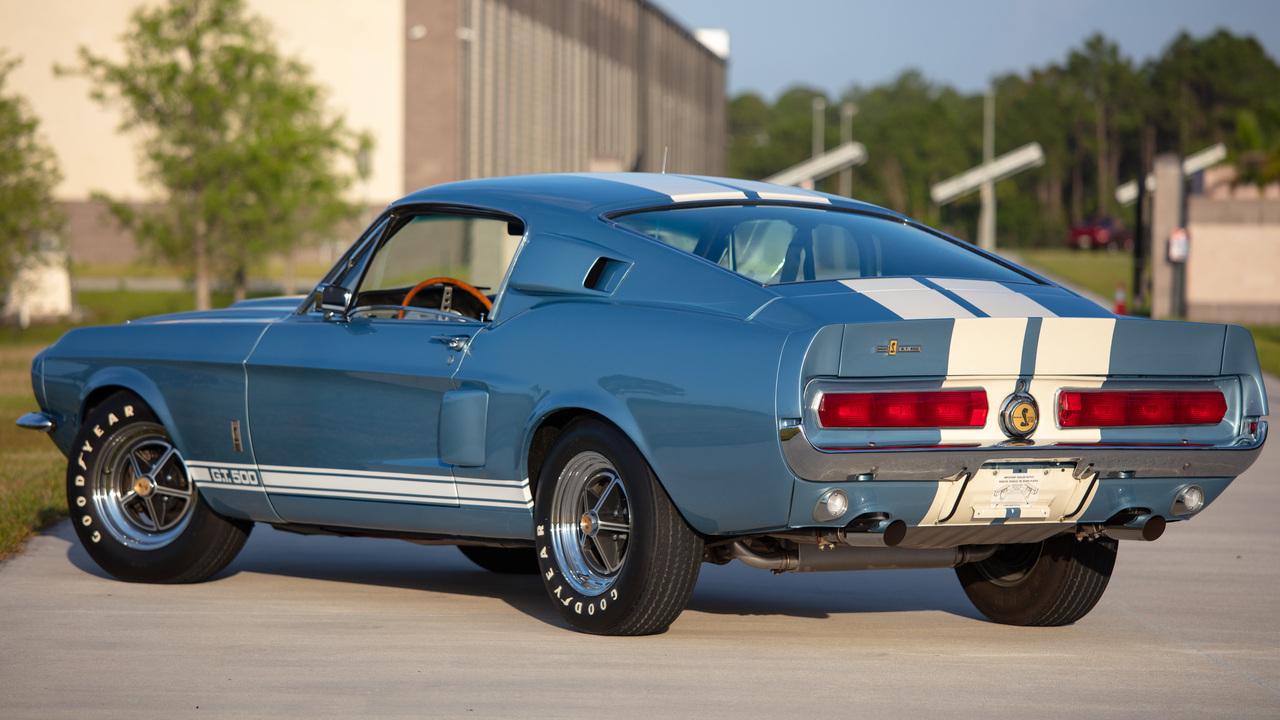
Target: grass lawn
(1268, 341)
(1095, 270)
(32, 471)
(111, 308)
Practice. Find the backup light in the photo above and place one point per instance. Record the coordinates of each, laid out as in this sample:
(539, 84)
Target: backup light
(1190, 500)
(1135, 408)
(831, 505)
(922, 409)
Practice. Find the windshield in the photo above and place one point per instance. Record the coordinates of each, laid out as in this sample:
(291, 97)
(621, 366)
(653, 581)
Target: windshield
(781, 244)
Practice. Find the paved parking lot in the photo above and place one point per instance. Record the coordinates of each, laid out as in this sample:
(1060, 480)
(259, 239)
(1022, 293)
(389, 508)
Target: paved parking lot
(316, 626)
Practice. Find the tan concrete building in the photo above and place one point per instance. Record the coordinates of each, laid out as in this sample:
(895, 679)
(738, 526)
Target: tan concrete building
(450, 90)
(1232, 273)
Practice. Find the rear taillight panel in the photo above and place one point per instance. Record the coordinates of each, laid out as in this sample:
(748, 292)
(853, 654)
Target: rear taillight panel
(1139, 408)
(917, 409)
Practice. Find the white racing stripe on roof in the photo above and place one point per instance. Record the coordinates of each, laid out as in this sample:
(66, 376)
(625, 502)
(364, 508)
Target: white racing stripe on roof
(770, 191)
(995, 299)
(678, 188)
(907, 298)
(766, 195)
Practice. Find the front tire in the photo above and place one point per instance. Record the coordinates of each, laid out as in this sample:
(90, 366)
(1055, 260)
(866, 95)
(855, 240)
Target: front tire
(1049, 583)
(134, 506)
(615, 554)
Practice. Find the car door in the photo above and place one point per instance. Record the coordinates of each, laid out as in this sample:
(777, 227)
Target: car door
(345, 405)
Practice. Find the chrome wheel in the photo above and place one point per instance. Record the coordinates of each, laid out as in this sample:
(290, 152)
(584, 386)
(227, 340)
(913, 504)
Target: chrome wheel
(590, 523)
(141, 490)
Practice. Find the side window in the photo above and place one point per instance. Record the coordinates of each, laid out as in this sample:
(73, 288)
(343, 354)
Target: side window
(434, 267)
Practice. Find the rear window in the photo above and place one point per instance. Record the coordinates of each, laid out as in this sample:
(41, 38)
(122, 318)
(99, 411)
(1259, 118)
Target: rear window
(774, 244)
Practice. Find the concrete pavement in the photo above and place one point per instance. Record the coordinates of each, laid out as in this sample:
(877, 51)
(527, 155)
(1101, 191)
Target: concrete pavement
(319, 627)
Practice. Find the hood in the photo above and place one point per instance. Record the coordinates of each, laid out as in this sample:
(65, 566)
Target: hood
(256, 310)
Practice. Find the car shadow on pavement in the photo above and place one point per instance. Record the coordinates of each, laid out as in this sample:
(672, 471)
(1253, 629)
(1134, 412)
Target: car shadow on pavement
(732, 589)
(363, 561)
(736, 589)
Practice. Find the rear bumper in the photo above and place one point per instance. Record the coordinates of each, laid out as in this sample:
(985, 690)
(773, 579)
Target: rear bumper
(941, 463)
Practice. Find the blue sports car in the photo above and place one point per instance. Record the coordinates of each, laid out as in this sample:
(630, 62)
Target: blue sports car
(610, 379)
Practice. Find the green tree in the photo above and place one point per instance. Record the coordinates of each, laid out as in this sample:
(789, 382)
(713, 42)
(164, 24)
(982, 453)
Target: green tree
(28, 173)
(235, 135)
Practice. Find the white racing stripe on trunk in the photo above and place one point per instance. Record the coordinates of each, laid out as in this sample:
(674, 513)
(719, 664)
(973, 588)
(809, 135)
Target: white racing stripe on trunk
(986, 346)
(907, 298)
(1075, 346)
(995, 299)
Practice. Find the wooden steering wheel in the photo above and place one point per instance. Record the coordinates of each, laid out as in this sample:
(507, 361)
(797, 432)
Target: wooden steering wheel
(467, 287)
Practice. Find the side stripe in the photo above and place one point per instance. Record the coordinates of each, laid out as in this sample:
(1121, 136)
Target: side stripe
(382, 486)
(439, 488)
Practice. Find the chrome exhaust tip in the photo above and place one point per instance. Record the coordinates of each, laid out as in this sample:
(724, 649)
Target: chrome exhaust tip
(1147, 527)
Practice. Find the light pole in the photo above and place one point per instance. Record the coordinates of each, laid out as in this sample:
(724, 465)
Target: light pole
(987, 217)
(847, 111)
(819, 126)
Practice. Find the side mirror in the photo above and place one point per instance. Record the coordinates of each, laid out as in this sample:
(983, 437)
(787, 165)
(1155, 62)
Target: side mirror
(334, 299)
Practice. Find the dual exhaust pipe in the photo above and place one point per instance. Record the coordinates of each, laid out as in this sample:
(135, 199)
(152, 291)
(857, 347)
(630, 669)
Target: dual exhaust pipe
(872, 544)
(831, 558)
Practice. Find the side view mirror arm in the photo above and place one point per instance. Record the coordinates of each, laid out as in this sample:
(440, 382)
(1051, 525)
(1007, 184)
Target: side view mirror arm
(334, 301)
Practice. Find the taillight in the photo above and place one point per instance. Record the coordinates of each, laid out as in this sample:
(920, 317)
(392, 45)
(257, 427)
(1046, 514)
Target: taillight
(1146, 407)
(925, 409)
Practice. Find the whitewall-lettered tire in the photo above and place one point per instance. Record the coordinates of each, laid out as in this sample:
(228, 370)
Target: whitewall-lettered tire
(135, 508)
(616, 556)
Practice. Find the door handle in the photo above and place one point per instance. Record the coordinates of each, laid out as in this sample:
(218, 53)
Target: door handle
(453, 342)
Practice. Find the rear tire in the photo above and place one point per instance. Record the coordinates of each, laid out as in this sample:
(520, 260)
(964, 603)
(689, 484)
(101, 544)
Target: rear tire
(134, 506)
(1049, 583)
(508, 561)
(616, 556)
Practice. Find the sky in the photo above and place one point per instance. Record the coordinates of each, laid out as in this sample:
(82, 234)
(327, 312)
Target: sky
(832, 45)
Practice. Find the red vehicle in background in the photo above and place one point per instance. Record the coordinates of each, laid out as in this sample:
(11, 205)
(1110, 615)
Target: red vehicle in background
(1095, 234)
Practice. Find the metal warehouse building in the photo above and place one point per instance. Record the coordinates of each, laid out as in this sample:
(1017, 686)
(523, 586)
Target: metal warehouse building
(450, 90)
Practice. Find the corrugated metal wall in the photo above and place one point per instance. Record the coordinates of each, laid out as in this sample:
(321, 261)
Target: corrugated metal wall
(585, 85)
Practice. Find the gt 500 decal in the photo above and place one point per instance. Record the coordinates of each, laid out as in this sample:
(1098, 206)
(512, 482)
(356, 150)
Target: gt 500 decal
(233, 477)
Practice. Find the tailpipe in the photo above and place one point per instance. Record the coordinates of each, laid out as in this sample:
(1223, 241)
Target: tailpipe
(1147, 527)
(872, 530)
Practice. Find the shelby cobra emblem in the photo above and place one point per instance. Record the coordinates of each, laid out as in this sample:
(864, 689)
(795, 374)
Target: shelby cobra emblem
(893, 348)
(1020, 415)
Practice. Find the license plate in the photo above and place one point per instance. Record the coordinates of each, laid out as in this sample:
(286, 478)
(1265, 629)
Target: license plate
(1009, 490)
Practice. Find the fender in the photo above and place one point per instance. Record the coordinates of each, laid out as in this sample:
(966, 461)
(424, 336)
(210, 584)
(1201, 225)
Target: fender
(138, 383)
(603, 404)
